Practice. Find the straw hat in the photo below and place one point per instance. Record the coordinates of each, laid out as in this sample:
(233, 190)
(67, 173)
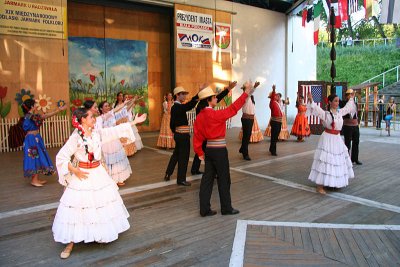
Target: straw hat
(180, 89)
(206, 92)
(349, 91)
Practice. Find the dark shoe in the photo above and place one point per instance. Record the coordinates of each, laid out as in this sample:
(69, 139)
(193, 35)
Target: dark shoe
(232, 212)
(209, 213)
(357, 162)
(246, 157)
(274, 154)
(167, 177)
(184, 183)
(240, 150)
(196, 172)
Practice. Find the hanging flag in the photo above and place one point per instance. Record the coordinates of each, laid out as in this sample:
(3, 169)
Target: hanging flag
(317, 17)
(309, 14)
(390, 12)
(368, 8)
(304, 17)
(338, 20)
(353, 6)
(343, 10)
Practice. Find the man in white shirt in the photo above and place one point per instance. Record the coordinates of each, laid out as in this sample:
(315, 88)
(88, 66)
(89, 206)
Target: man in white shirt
(248, 110)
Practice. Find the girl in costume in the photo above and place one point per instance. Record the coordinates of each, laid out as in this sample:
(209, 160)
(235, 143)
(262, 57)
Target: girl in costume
(391, 107)
(121, 112)
(301, 128)
(166, 137)
(256, 134)
(36, 159)
(332, 164)
(90, 209)
(115, 157)
(131, 116)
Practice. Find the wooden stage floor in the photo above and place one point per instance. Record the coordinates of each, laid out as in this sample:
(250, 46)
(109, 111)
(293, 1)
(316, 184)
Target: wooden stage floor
(282, 221)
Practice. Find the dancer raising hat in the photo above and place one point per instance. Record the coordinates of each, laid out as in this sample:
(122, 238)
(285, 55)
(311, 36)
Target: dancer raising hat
(210, 125)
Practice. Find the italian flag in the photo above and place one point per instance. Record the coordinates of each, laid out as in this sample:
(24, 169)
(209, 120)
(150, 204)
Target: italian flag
(317, 18)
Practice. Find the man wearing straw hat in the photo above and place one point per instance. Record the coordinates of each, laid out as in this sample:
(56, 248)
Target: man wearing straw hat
(210, 125)
(180, 127)
(350, 130)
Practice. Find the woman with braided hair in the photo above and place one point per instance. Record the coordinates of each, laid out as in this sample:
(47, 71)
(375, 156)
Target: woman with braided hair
(90, 209)
(332, 164)
(36, 159)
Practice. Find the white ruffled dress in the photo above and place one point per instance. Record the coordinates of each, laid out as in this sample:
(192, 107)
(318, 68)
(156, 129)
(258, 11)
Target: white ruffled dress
(91, 209)
(332, 164)
(138, 139)
(118, 166)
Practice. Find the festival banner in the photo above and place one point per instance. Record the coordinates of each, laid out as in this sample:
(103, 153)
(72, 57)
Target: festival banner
(33, 19)
(223, 37)
(194, 31)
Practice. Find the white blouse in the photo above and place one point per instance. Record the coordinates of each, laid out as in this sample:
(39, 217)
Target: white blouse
(249, 107)
(325, 116)
(75, 146)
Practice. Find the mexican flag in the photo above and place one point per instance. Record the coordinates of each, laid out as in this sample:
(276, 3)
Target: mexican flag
(317, 18)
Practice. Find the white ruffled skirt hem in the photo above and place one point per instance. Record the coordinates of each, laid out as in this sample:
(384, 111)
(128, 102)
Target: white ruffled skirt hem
(332, 165)
(90, 210)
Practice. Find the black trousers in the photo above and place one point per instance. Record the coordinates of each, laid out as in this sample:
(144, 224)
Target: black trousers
(379, 120)
(352, 140)
(217, 163)
(275, 130)
(197, 161)
(247, 126)
(180, 156)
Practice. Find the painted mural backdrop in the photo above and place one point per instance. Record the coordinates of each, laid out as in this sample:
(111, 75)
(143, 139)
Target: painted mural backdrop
(100, 68)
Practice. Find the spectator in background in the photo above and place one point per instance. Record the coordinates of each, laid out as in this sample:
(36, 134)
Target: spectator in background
(380, 108)
(390, 110)
(349, 41)
(343, 41)
(357, 40)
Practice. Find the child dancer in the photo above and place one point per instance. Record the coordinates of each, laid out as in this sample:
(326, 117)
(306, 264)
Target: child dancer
(91, 209)
(332, 165)
(301, 128)
(114, 154)
(36, 159)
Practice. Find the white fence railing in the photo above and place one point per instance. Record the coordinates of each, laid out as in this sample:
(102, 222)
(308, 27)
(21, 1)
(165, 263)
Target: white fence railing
(54, 131)
(382, 77)
(362, 42)
(191, 115)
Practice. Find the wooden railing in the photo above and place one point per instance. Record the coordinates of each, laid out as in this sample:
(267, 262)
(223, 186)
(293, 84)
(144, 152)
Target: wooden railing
(54, 131)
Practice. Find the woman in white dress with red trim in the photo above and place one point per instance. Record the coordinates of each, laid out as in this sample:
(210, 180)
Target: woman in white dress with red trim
(332, 165)
(90, 209)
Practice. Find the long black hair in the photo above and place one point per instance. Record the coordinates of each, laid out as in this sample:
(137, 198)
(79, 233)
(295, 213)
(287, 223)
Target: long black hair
(27, 105)
(330, 99)
(88, 104)
(101, 106)
(298, 102)
(116, 101)
(80, 113)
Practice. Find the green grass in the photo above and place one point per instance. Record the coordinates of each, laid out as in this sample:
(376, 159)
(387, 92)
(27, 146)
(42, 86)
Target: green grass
(357, 64)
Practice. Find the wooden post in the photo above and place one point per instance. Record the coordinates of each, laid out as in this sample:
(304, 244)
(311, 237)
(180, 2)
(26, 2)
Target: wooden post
(366, 106)
(375, 105)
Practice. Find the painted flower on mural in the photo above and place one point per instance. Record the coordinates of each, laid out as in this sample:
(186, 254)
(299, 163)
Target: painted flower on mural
(3, 92)
(122, 82)
(92, 78)
(77, 102)
(23, 95)
(142, 103)
(60, 103)
(43, 103)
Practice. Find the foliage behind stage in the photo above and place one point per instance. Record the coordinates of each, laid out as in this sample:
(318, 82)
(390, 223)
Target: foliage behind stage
(357, 64)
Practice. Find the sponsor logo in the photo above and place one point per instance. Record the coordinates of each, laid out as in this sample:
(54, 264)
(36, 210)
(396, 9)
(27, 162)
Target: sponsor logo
(194, 40)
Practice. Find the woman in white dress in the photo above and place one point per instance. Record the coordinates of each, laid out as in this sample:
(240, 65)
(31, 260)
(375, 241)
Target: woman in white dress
(90, 209)
(131, 117)
(332, 165)
(114, 154)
